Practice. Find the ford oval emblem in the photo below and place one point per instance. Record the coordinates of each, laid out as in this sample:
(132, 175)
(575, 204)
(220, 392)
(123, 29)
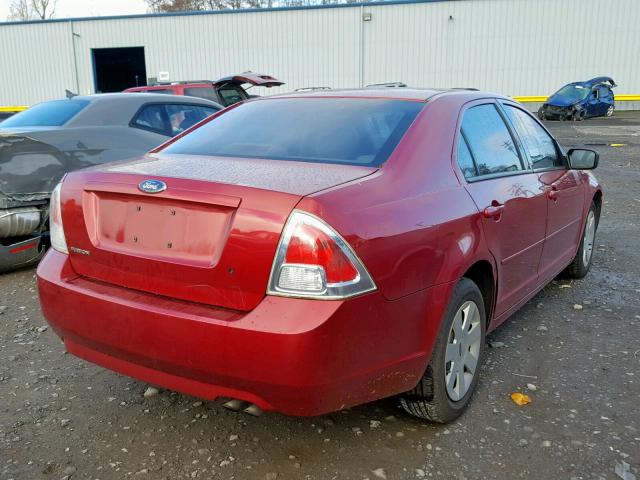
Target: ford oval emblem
(152, 186)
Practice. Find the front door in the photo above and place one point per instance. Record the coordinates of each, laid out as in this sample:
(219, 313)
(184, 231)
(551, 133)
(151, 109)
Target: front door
(510, 197)
(593, 103)
(563, 189)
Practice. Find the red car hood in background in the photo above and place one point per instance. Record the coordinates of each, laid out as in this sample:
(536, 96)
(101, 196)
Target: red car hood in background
(210, 237)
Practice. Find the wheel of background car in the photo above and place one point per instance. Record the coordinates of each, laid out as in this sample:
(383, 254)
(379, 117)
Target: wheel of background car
(581, 264)
(541, 114)
(580, 115)
(610, 110)
(450, 379)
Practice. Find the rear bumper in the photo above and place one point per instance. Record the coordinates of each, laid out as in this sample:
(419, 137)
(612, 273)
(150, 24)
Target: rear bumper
(299, 357)
(20, 254)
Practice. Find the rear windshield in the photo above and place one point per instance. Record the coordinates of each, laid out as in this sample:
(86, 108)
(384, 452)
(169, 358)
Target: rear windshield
(48, 114)
(322, 130)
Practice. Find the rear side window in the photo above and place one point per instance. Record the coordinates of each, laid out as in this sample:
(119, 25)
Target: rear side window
(185, 116)
(539, 146)
(231, 95)
(152, 117)
(320, 130)
(201, 92)
(48, 114)
(465, 160)
(490, 141)
(170, 119)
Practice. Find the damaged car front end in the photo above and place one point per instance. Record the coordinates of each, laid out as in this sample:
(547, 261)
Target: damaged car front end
(29, 170)
(562, 112)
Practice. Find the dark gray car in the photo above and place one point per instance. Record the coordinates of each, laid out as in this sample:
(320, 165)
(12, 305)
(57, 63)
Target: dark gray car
(38, 146)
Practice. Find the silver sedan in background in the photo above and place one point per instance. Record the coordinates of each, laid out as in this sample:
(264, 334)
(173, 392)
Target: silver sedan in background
(41, 144)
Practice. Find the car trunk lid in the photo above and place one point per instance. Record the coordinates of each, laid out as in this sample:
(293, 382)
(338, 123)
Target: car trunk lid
(210, 237)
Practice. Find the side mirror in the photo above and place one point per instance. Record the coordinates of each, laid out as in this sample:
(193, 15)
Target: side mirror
(583, 159)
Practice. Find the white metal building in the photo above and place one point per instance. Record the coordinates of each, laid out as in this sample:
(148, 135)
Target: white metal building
(515, 47)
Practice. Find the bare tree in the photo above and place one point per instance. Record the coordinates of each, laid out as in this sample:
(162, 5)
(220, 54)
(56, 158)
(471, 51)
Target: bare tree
(20, 10)
(44, 9)
(32, 9)
(199, 5)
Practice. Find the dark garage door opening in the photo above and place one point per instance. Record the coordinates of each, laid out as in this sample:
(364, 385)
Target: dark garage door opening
(117, 69)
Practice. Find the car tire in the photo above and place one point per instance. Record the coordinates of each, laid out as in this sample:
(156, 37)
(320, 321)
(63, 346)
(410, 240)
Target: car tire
(579, 115)
(433, 399)
(581, 264)
(541, 114)
(610, 111)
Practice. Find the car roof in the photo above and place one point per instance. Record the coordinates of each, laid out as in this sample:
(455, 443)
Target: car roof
(141, 98)
(411, 94)
(119, 108)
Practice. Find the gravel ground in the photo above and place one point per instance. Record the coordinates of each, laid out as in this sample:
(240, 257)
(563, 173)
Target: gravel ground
(574, 349)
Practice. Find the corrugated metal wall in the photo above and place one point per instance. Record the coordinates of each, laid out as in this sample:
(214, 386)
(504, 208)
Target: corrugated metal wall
(515, 47)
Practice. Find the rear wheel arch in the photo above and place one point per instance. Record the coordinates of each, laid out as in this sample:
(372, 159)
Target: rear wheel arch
(482, 274)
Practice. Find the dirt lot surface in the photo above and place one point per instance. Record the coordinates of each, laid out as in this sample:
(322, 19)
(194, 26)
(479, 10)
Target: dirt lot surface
(575, 349)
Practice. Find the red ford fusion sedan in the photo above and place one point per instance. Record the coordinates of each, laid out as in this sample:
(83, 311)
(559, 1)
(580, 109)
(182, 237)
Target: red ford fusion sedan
(310, 252)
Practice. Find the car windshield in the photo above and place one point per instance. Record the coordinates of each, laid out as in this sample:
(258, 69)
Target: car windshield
(322, 130)
(48, 114)
(573, 92)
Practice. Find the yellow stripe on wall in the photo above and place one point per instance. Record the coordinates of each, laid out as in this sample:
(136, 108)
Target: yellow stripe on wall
(14, 108)
(623, 97)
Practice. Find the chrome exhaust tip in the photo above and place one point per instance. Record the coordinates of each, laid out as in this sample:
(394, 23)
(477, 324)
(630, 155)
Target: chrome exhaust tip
(246, 407)
(236, 405)
(253, 410)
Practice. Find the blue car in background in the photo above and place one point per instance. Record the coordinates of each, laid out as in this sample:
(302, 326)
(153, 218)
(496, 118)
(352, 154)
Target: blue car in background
(580, 100)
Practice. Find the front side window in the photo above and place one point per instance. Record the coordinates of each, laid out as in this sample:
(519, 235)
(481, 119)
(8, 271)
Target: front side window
(490, 141)
(320, 130)
(539, 146)
(48, 114)
(603, 92)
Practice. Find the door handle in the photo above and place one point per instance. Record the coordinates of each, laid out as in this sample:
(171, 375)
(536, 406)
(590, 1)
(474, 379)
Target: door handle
(552, 193)
(493, 211)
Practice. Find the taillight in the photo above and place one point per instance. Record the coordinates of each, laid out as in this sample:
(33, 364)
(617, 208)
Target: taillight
(56, 230)
(313, 260)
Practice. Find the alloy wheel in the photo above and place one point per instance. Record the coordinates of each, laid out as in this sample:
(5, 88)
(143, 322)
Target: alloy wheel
(463, 350)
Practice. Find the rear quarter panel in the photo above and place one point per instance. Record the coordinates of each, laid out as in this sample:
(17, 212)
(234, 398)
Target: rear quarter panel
(412, 224)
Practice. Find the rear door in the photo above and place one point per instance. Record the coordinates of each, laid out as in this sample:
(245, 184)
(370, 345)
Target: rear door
(563, 190)
(510, 197)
